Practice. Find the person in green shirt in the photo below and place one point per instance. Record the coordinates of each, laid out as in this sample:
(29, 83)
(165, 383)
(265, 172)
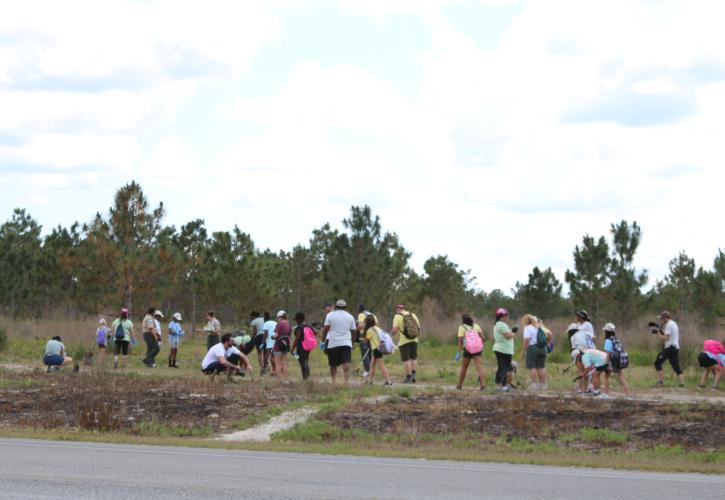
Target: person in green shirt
(120, 344)
(503, 348)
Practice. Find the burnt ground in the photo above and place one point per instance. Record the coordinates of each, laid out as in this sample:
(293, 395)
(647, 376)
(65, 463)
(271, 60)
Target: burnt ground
(575, 422)
(121, 403)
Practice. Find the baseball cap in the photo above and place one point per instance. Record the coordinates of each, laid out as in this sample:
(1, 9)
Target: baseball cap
(124, 311)
(177, 316)
(665, 314)
(582, 314)
(609, 327)
(501, 312)
(281, 313)
(400, 306)
(340, 303)
(159, 314)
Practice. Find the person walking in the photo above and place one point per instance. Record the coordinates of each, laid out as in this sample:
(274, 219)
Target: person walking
(269, 326)
(470, 345)
(615, 352)
(503, 348)
(102, 335)
(534, 351)
(175, 334)
(669, 334)
(123, 332)
(362, 313)
(339, 332)
(303, 343)
(282, 334)
(372, 336)
(257, 330)
(407, 326)
(212, 329)
(150, 338)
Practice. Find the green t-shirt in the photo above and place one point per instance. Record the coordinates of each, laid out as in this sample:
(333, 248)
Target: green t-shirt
(127, 325)
(501, 343)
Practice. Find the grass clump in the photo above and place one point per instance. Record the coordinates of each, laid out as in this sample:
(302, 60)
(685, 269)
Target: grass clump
(603, 436)
(165, 430)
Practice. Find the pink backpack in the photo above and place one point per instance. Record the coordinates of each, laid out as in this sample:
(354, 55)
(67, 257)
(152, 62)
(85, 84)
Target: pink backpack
(309, 340)
(472, 341)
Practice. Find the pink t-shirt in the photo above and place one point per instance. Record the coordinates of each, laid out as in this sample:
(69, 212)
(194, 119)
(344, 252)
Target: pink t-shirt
(713, 347)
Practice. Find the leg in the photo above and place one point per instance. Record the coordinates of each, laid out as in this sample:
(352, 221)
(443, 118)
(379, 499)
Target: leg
(346, 372)
(716, 379)
(479, 368)
(371, 372)
(500, 375)
(661, 356)
(333, 374)
(384, 370)
(462, 372)
(625, 385)
(542, 376)
(675, 364)
(148, 340)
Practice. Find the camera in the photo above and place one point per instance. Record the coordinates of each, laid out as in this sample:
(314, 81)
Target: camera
(515, 329)
(654, 327)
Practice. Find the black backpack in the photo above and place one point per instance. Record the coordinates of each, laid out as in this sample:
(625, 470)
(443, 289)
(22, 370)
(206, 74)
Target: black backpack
(120, 332)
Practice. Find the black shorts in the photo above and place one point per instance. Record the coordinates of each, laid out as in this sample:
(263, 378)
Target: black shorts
(468, 355)
(604, 368)
(671, 354)
(121, 346)
(377, 354)
(337, 356)
(705, 361)
(215, 367)
(259, 342)
(409, 351)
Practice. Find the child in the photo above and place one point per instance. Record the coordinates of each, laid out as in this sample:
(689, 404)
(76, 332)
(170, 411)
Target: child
(298, 350)
(372, 335)
(712, 360)
(595, 362)
(102, 334)
(175, 334)
(609, 344)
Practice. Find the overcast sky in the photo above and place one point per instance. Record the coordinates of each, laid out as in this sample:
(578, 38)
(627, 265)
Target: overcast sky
(498, 133)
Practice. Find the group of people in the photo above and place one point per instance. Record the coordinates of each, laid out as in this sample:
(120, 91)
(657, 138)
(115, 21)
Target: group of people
(276, 339)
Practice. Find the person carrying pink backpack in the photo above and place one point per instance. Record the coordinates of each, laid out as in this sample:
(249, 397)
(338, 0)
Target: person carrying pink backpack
(470, 345)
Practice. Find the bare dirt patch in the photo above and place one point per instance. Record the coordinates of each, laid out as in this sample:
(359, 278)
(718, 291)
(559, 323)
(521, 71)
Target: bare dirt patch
(127, 403)
(577, 422)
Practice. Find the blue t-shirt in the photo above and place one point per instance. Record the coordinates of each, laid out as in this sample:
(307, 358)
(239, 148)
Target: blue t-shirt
(269, 327)
(608, 345)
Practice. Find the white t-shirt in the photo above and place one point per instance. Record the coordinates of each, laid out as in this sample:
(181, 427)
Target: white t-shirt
(588, 329)
(340, 323)
(213, 355)
(672, 332)
(232, 350)
(530, 334)
(580, 340)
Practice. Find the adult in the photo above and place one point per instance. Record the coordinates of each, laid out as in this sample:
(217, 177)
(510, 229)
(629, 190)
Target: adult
(282, 342)
(54, 356)
(361, 341)
(298, 345)
(403, 322)
(534, 353)
(175, 334)
(150, 338)
(372, 336)
(257, 332)
(669, 334)
(712, 361)
(123, 332)
(339, 332)
(212, 329)
(102, 335)
(580, 339)
(158, 316)
(223, 356)
(611, 345)
(471, 348)
(503, 348)
(584, 325)
(243, 343)
(269, 326)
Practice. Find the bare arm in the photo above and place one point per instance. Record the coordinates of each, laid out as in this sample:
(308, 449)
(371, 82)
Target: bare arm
(325, 330)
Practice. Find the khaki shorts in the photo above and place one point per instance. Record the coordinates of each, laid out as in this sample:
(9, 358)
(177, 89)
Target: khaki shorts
(409, 351)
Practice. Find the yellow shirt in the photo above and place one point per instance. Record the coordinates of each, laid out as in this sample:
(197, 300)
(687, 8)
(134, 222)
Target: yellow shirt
(372, 336)
(464, 328)
(399, 323)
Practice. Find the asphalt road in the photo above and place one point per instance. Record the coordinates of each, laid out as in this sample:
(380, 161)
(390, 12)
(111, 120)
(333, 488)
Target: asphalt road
(52, 469)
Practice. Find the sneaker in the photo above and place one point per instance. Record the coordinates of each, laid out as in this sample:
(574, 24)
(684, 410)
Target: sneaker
(364, 374)
(578, 391)
(604, 395)
(543, 387)
(658, 385)
(388, 383)
(48, 371)
(533, 387)
(407, 380)
(459, 388)
(506, 388)
(596, 393)
(482, 388)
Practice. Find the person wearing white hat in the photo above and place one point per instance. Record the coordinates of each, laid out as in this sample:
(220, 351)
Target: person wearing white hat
(175, 334)
(102, 335)
(618, 359)
(339, 332)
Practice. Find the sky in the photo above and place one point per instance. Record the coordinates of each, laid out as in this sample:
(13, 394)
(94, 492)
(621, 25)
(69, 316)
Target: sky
(497, 133)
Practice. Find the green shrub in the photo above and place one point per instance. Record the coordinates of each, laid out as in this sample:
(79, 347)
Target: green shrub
(3, 340)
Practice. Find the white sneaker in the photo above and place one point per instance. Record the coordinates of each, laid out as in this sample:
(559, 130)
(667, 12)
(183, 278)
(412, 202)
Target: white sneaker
(543, 387)
(604, 395)
(364, 374)
(533, 387)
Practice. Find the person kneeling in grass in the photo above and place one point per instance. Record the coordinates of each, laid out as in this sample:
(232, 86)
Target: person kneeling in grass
(54, 357)
(372, 335)
(224, 357)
